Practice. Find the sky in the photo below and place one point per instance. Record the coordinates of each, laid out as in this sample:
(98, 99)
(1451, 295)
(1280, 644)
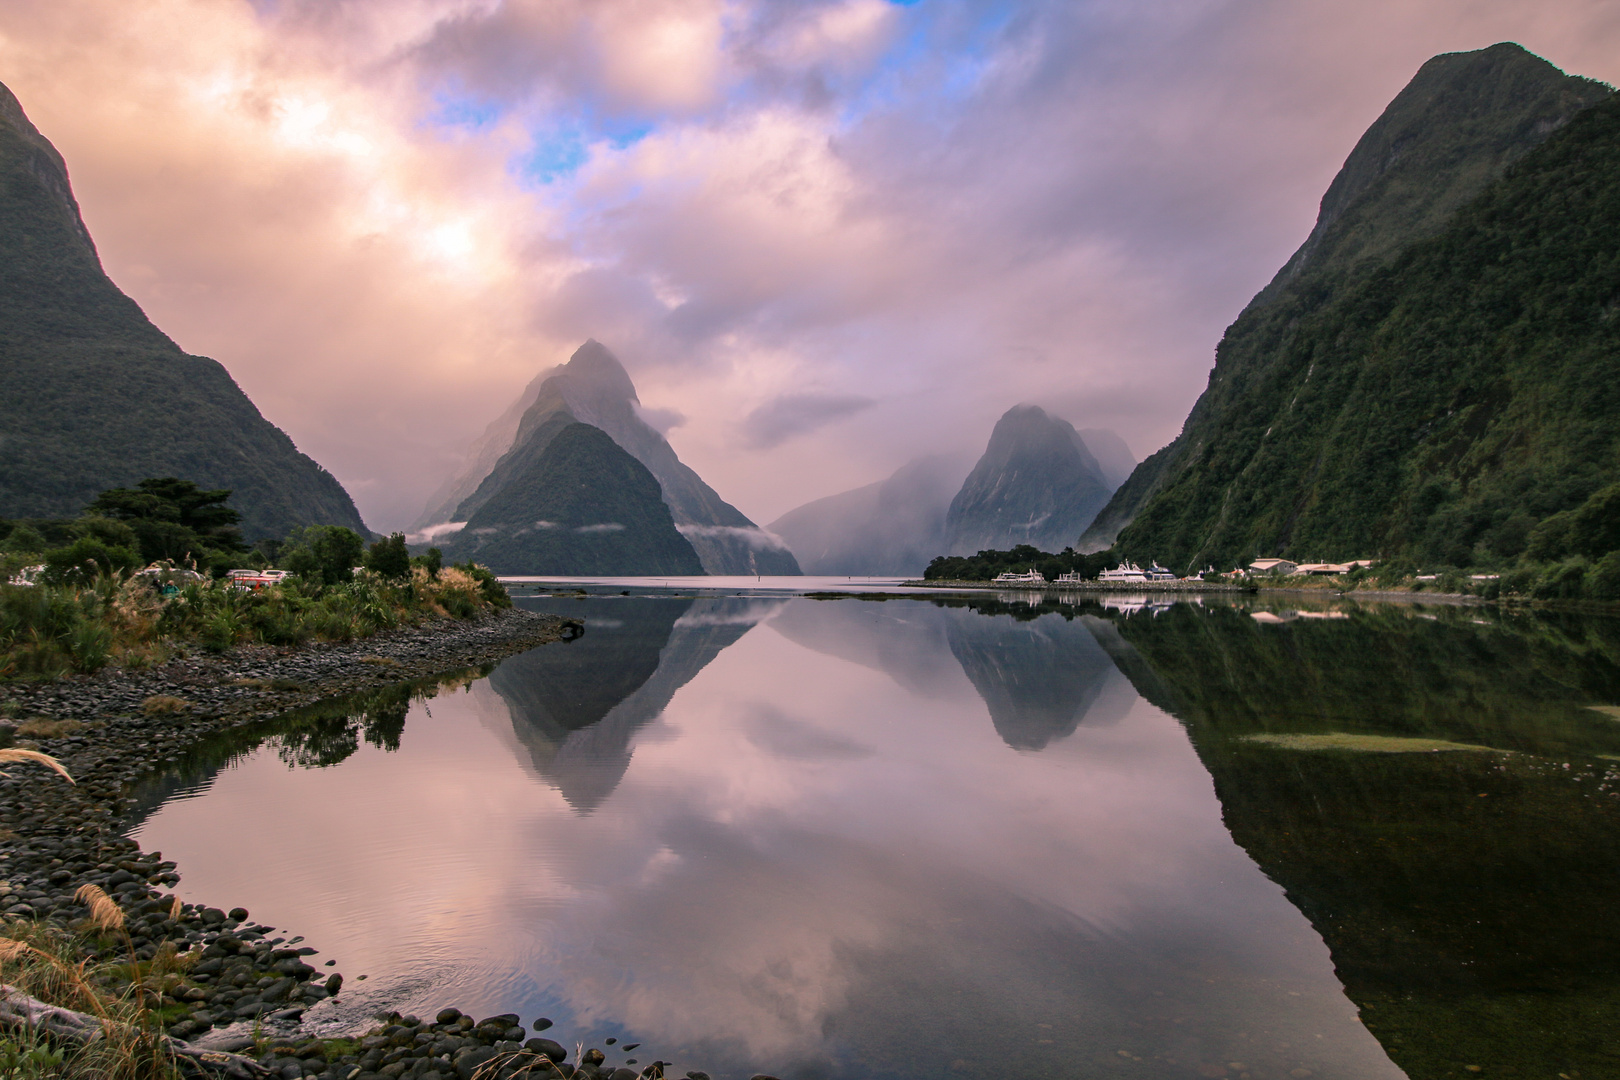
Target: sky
(824, 236)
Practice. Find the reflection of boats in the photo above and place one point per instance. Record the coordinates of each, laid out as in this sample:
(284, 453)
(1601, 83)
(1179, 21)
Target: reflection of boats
(1126, 605)
(1033, 577)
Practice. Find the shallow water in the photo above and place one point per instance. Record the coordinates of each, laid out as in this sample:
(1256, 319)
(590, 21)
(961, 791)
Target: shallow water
(948, 838)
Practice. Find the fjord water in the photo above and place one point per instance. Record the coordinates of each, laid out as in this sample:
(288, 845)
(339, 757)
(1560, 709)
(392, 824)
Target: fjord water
(960, 838)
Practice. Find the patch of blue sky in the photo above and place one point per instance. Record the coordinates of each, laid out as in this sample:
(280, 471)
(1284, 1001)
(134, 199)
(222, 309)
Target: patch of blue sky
(463, 111)
(941, 56)
(553, 156)
(559, 150)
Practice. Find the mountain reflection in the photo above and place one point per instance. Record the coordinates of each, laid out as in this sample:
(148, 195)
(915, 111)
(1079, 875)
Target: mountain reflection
(574, 708)
(1040, 674)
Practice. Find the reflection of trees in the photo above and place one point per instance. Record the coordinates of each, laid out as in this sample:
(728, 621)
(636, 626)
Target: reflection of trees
(329, 733)
(1467, 897)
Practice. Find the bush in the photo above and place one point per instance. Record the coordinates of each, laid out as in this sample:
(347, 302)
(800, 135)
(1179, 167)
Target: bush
(1563, 581)
(1603, 581)
(491, 589)
(87, 558)
(389, 558)
(432, 561)
(323, 554)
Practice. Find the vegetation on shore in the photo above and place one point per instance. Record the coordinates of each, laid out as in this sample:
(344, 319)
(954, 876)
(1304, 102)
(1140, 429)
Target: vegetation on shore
(90, 606)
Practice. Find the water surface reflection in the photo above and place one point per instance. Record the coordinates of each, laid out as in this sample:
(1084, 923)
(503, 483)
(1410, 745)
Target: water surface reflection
(847, 838)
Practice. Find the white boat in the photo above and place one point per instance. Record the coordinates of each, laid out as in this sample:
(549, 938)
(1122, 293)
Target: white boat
(1155, 572)
(1034, 577)
(1125, 571)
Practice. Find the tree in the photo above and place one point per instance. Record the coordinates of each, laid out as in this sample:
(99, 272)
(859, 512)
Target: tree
(323, 554)
(389, 557)
(174, 519)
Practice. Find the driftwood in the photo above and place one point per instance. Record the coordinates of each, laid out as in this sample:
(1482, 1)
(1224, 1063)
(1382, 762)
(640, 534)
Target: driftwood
(24, 1011)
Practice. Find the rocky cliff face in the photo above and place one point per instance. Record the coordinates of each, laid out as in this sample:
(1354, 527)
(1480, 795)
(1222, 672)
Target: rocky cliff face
(593, 388)
(1037, 483)
(95, 396)
(1447, 137)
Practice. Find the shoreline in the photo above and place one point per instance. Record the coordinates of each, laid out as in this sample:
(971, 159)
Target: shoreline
(111, 729)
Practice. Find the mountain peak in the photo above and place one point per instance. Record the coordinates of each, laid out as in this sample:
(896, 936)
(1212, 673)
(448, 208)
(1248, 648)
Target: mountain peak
(596, 370)
(1037, 483)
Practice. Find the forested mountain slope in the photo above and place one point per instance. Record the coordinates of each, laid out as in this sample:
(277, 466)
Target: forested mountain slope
(96, 397)
(570, 500)
(1459, 124)
(1458, 405)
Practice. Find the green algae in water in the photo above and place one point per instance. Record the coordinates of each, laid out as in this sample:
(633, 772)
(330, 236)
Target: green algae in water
(1370, 744)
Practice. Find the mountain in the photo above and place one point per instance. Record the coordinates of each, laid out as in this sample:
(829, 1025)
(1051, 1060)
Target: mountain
(1037, 483)
(570, 500)
(594, 388)
(1438, 408)
(97, 397)
(894, 526)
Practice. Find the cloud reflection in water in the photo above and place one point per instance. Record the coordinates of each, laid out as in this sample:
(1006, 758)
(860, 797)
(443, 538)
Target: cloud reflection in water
(809, 848)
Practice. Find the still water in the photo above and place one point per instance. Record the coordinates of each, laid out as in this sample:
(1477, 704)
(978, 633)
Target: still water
(966, 838)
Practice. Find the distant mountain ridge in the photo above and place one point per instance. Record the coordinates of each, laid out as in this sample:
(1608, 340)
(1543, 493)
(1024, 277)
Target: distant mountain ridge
(97, 397)
(894, 526)
(593, 388)
(1038, 481)
(1420, 381)
(1444, 140)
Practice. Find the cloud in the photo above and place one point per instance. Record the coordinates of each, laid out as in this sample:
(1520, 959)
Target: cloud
(662, 421)
(434, 532)
(758, 539)
(604, 527)
(798, 414)
(385, 219)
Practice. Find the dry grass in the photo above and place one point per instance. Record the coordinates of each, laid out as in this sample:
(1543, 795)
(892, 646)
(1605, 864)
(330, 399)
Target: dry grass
(45, 728)
(1611, 711)
(104, 911)
(164, 705)
(13, 755)
(47, 964)
(1369, 744)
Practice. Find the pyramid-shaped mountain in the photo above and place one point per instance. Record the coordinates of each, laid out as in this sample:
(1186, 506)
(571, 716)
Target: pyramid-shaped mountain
(1037, 483)
(1266, 464)
(570, 500)
(594, 389)
(96, 397)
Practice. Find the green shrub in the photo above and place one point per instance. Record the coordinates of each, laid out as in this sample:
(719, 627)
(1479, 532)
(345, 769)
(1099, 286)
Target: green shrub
(1603, 581)
(432, 561)
(1563, 581)
(491, 588)
(390, 558)
(323, 554)
(86, 559)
